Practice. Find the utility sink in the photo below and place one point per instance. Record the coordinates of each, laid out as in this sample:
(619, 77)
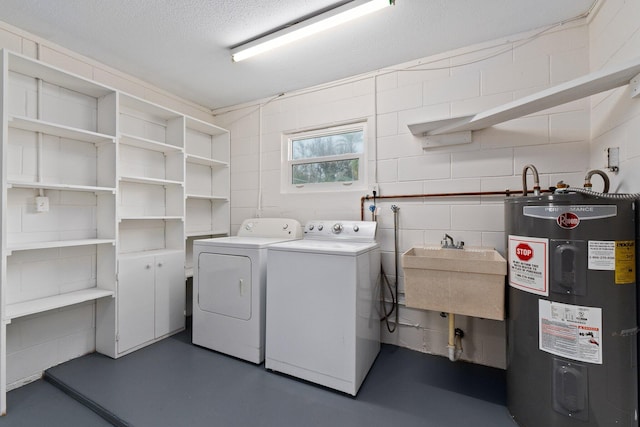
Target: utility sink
(467, 281)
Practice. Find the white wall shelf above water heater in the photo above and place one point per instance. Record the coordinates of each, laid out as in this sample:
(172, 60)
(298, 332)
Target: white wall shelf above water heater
(458, 130)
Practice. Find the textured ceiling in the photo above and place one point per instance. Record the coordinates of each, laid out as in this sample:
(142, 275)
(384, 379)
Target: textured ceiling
(183, 45)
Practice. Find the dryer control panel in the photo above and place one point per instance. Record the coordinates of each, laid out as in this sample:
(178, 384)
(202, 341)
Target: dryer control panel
(357, 231)
(271, 227)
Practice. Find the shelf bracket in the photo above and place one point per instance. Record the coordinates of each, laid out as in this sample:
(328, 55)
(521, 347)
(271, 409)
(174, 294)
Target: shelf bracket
(453, 138)
(634, 84)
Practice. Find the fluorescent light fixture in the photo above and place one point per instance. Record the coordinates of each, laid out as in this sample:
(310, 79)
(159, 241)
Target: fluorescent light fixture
(313, 25)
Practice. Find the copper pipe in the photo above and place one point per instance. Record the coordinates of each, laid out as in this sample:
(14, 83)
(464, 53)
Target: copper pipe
(506, 193)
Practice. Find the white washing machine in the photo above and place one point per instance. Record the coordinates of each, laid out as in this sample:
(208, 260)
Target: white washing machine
(229, 287)
(323, 322)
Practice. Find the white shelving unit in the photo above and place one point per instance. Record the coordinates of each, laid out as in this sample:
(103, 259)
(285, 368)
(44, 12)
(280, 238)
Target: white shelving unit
(58, 143)
(207, 155)
(122, 177)
(458, 130)
(151, 214)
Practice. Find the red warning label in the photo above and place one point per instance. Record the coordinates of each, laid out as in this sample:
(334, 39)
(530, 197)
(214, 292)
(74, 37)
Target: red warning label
(528, 264)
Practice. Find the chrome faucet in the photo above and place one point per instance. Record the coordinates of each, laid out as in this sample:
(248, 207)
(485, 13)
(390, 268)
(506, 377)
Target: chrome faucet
(448, 243)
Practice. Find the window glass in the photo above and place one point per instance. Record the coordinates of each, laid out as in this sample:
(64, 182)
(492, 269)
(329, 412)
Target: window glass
(334, 171)
(325, 159)
(330, 145)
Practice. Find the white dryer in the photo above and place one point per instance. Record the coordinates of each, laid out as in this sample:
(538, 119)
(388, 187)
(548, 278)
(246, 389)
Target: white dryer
(229, 287)
(323, 322)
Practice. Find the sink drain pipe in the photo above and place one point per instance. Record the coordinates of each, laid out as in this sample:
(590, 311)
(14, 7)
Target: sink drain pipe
(454, 347)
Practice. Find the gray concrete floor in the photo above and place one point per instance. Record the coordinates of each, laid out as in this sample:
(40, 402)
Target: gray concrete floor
(174, 383)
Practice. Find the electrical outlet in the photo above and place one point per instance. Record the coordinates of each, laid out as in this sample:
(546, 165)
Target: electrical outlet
(613, 159)
(42, 204)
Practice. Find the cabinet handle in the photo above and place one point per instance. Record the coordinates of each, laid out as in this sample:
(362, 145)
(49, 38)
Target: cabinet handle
(241, 287)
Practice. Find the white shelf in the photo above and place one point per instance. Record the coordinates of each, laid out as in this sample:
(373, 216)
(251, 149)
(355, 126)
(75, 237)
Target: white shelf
(197, 233)
(148, 144)
(57, 244)
(33, 68)
(146, 107)
(152, 181)
(154, 252)
(51, 186)
(205, 161)
(207, 197)
(204, 127)
(156, 217)
(591, 84)
(61, 131)
(13, 311)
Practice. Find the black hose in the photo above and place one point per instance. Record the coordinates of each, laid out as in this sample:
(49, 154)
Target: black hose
(393, 293)
(383, 302)
(395, 209)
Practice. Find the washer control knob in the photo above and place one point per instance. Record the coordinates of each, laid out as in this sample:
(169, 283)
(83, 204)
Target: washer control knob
(249, 226)
(320, 227)
(310, 226)
(285, 226)
(356, 228)
(337, 228)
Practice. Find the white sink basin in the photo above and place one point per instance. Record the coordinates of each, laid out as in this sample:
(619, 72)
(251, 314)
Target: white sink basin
(466, 281)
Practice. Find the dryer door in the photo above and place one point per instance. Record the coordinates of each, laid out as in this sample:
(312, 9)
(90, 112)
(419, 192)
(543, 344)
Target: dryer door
(224, 284)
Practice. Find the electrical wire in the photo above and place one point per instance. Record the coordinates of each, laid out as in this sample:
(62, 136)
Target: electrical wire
(419, 66)
(616, 196)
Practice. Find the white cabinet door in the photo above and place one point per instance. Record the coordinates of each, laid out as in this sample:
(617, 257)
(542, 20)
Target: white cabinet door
(170, 293)
(136, 287)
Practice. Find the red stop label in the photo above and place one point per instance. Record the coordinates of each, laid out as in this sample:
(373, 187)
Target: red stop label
(524, 252)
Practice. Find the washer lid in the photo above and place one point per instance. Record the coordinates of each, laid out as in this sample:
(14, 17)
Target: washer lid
(328, 247)
(238, 242)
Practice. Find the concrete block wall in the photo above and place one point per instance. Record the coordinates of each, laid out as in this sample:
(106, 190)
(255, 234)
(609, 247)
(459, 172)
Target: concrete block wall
(457, 83)
(614, 37)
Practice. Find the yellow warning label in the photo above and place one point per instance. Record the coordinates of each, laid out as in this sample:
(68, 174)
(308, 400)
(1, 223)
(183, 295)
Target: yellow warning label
(625, 262)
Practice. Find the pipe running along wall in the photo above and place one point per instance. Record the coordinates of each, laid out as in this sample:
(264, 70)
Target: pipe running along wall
(363, 199)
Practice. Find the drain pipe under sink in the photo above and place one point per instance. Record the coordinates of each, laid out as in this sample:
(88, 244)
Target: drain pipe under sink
(455, 336)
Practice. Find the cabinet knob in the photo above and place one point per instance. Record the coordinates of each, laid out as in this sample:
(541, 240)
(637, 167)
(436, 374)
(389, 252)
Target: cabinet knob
(147, 266)
(159, 264)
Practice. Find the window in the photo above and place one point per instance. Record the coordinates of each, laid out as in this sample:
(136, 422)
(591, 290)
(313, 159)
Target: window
(325, 159)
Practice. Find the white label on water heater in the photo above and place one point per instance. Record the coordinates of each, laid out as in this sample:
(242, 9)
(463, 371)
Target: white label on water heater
(602, 255)
(528, 264)
(571, 331)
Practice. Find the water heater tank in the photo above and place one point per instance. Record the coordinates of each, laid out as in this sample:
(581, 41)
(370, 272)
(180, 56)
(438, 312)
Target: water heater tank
(572, 311)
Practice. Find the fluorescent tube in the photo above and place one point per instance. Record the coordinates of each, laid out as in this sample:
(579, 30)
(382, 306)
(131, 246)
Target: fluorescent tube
(314, 25)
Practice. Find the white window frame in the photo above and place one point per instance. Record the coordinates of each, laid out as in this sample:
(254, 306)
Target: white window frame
(287, 162)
